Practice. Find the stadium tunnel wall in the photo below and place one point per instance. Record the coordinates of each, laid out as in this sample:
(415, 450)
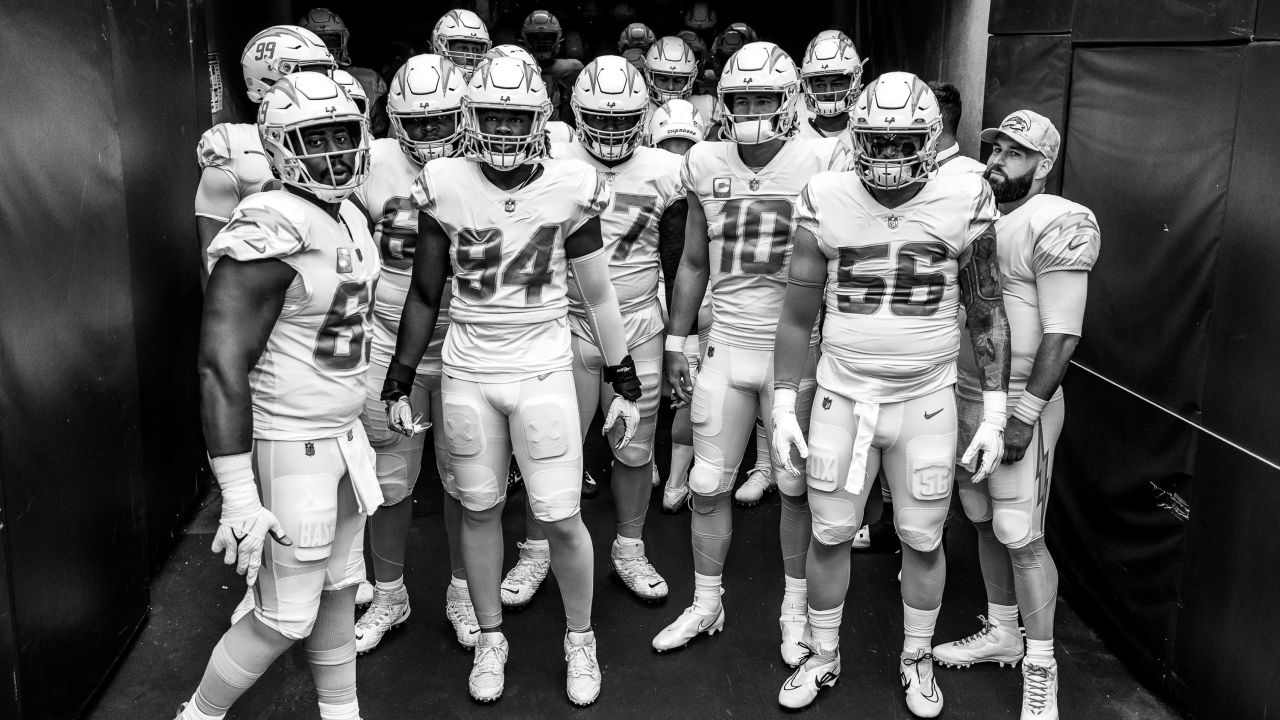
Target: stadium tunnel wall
(1168, 474)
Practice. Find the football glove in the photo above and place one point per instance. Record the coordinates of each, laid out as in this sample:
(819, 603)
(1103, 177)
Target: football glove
(245, 523)
(786, 429)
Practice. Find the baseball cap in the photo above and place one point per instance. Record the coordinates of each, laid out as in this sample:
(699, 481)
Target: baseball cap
(1030, 130)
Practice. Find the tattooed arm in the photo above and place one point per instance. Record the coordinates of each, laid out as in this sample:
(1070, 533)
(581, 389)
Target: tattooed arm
(981, 294)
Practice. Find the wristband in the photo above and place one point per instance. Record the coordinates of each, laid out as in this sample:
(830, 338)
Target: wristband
(674, 343)
(623, 378)
(1029, 408)
(784, 399)
(995, 407)
(234, 474)
(399, 382)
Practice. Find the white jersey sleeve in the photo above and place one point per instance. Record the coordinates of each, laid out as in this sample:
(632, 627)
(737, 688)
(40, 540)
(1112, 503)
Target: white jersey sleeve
(309, 382)
(234, 149)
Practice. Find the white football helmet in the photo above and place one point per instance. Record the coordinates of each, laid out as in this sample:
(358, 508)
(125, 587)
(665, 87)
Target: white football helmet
(610, 87)
(896, 109)
(460, 26)
(427, 86)
(827, 34)
(304, 100)
(542, 34)
(506, 83)
(353, 88)
(670, 57)
(514, 51)
(327, 26)
(278, 51)
(759, 67)
(676, 119)
(830, 56)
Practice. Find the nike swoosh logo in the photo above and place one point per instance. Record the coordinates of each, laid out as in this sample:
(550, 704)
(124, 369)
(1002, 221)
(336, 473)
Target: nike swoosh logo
(708, 623)
(474, 632)
(656, 584)
(510, 590)
(1075, 245)
(931, 415)
(260, 248)
(788, 685)
(931, 697)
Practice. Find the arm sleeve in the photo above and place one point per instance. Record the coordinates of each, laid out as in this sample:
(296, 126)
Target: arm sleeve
(591, 272)
(671, 242)
(1062, 300)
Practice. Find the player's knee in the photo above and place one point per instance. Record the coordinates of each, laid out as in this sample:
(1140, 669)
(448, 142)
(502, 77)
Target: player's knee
(976, 504)
(1013, 529)
(834, 519)
(920, 528)
(294, 620)
(552, 495)
(393, 478)
(708, 504)
(393, 493)
(706, 479)
(635, 454)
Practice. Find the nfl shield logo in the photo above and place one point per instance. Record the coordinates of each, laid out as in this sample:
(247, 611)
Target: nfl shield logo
(754, 184)
(509, 206)
(893, 222)
(344, 260)
(826, 403)
(721, 187)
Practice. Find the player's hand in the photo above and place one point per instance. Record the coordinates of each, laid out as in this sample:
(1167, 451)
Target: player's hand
(401, 419)
(985, 451)
(678, 378)
(628, 413)
(1017, 436)
(786, 430)
(241, 540)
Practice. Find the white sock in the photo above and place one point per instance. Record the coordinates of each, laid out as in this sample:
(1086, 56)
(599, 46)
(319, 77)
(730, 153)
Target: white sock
(795, 594)
(917, 628)
(192, 712)
(390, 587)
(707, 592)
(824, 627)
(458, 582)
(340, 711)
(579, 636)
(626, 542)
(1005, 616)
(1040, 652)
(536, 549)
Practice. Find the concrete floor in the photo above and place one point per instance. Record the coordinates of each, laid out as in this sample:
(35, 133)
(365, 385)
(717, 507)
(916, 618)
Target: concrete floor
(420, 671)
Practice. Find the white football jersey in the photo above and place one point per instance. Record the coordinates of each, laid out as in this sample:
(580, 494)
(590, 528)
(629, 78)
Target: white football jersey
(641, 189)
(805, 128)
(892, 295)
(560, 132)
(235, 149)
(309, 382)
(385, 196)
(750, 219)
(1046, 234)
(510, 272)
(951, 162)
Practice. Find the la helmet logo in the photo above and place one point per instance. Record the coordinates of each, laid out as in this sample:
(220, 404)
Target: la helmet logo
(506, 98)
(1017, 123)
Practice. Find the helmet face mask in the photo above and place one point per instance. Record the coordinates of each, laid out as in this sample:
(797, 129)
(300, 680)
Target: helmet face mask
(278, 51)
(542, 34)
(758, 68)
(424, 104)
(461, 36)
(503, 93)
(829, 55)
(895, 128)
(315, 136)
(610, 100)
(670, 70)
(331, 30)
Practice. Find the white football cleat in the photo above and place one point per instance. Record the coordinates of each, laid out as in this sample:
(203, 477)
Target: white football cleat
(364, 594)
(244, 608)
(686, 627)
(819, 669)
(635, 571)
(387, 610)
(675, 494)
(488, 669)
(924, 697)
(759, 481)
(1039, 692)
(992, 643)
(795, 637)
(524, 579)
(462, 616)
(582, 678)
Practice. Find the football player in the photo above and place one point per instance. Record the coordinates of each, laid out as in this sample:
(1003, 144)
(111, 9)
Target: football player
(670, 69)
(353, 88)
(730, 40)
(282, 364)
(334, 33)
(511, 221)
(643, 228)
(425, 107)
(700, 17)
(676, 126)
(741, 201)
(831, 76)
(636, 36)
(233, 164)
(950, 161)
(1047, 247)
(557, 130)
(461, 37)
(542, 34)
(891, 251)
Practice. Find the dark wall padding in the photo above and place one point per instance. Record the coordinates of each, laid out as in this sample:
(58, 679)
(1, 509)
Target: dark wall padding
(69, 419)
(1163, 20)
(1268, 25)
(1235, 549)
(1110, 529)
(1152, 128)
(1030, 17)
(1029, 72)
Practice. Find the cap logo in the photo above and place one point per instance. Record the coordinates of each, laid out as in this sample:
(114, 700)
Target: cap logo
(1016, 123)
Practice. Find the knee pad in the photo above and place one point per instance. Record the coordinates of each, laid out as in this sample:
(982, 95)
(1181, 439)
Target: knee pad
(477, 486)
(705, 480)
(973, 497)
(398, 465)
(554, 494)
(708, 504)
(920, 528)
(635, 454)
(1013, 527)
(835, 518)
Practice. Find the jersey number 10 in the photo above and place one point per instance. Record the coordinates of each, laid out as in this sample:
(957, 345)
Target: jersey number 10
(747, 236)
